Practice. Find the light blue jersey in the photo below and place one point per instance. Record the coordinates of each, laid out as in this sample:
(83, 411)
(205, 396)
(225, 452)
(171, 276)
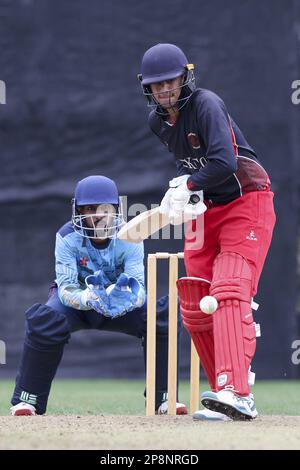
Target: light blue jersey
(76, 258)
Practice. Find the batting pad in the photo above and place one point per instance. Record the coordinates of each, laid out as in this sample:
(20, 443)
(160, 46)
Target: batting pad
(199, 325)
(234, 329)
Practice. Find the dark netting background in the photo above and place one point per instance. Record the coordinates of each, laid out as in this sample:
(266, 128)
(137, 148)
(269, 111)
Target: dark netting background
(74, 108)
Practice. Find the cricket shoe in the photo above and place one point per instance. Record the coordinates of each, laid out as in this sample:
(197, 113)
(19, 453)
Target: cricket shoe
(181, 409)
(23, 409)
(230, 404)
(209, 415)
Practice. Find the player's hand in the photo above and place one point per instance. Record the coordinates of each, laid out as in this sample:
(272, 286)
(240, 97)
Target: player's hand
(95, 294)
(165, 207)
(90, 299)
(192, 211)
(180, 204)
(186, 204)
(126, 295)
(178, 200)
(179, 181)
(175, 199)
(174, 203)
(100, 307)
(138, 292)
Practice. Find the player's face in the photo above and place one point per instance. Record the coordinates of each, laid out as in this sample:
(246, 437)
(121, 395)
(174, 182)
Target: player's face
(99, 218)
(167, 93)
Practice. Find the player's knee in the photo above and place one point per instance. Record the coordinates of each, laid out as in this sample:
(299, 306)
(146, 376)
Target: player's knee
(232, 278)
(46, 326)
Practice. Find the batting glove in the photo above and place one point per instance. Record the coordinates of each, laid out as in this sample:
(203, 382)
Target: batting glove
(180, 204)
(174, 183)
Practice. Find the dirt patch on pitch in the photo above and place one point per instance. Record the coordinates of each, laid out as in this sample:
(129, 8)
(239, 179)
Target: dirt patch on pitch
(140, 432)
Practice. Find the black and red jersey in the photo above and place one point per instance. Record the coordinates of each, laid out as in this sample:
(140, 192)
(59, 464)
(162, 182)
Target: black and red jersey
(208, 145)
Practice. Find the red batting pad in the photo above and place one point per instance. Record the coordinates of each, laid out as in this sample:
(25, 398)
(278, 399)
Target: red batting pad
(198, 324)
(234, 331)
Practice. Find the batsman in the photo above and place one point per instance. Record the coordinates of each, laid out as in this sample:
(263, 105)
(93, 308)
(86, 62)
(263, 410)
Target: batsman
(99, 285)
(225, 256)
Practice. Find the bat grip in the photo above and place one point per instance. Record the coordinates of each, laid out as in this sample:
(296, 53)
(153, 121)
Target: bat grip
(194, 199)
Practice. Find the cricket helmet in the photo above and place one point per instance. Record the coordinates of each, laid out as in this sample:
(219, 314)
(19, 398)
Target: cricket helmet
(98, 191)
(166, 62)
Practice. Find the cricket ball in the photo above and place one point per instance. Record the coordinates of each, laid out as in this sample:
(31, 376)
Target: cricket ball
(208, 304)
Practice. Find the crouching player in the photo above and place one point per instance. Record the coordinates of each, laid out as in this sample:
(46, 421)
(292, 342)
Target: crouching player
(99, 285)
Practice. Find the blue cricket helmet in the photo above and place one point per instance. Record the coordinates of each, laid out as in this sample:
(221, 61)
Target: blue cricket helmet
(96, 189)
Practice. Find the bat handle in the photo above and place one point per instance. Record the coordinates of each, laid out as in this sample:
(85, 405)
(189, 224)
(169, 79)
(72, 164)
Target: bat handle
(194, 199)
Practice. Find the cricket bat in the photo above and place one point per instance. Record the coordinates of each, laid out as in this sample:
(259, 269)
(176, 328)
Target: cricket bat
(143, 226)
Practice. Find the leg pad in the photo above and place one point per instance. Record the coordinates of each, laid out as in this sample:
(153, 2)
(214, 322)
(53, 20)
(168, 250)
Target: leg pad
(199, 325)
(234, 329)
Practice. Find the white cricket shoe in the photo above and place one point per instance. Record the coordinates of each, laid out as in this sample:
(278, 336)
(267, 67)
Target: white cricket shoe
(209, 415)
(181, 409)
(23, 409)
(230, 404)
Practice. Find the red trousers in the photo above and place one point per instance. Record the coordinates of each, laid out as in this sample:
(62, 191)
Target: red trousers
(243, 226)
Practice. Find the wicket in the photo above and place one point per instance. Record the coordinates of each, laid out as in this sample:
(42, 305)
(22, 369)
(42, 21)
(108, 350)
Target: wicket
(172, 346)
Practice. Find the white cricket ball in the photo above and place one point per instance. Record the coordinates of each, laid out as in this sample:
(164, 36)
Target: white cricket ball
(110, 288)
(208, 304)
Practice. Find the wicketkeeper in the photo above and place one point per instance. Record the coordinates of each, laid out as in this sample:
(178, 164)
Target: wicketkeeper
(99, 285)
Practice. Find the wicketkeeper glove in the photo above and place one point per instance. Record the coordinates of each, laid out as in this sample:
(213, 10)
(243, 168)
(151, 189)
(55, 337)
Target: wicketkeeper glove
(95, 295)
(126, 295)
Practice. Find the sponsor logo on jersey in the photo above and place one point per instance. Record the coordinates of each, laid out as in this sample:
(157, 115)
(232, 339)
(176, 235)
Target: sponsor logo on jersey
(83, 261)
(193, 140)
(193, 163)
(252, 236)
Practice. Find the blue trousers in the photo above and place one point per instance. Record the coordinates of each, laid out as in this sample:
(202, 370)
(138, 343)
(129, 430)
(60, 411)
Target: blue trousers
(48, 328)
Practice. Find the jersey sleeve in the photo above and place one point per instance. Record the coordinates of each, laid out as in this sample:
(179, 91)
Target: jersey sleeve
(69, 288)
(181, 169)
(215, 128)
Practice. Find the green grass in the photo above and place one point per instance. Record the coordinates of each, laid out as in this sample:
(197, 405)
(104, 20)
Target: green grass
(124, 397)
